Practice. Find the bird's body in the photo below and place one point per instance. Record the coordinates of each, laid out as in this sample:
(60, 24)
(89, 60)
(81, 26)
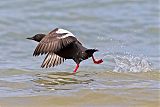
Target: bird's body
(60, 45)
(72, 51)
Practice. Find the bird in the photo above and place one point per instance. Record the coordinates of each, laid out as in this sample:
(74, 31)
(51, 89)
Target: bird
(60, 45)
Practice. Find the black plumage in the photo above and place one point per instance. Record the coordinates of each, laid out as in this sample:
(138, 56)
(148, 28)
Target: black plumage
(60, 45)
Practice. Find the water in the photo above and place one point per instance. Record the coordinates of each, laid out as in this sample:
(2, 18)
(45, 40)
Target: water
(126, 32)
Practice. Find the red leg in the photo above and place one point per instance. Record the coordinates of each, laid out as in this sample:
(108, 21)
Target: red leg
(76, 68)
(97, 62)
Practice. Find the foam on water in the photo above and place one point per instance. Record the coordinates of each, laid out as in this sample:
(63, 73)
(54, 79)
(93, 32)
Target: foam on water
(131, 64)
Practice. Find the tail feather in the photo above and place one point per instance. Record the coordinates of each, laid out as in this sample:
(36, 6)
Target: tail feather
(90, 51)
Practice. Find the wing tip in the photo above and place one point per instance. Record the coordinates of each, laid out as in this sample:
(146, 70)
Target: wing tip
(52, 60)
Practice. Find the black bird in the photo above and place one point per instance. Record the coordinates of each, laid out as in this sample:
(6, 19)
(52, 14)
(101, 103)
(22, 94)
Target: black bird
(60, 45)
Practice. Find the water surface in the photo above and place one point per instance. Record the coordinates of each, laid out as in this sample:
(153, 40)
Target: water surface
(125, 32)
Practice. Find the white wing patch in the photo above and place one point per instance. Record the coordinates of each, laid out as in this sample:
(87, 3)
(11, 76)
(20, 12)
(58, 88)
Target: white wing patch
(60, 31)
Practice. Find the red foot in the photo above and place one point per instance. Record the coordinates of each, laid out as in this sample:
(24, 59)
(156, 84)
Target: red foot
(76, 68)
(97, 62)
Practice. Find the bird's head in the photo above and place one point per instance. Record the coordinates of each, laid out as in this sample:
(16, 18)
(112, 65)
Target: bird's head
(37, 37)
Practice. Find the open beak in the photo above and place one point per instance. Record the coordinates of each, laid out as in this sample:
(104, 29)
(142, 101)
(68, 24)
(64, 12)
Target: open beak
(30, 38)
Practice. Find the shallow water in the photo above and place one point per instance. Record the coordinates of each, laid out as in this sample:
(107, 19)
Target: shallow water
(21, 88)
(125, 32)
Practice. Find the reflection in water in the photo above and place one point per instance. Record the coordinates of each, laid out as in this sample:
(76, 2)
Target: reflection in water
(60, 80)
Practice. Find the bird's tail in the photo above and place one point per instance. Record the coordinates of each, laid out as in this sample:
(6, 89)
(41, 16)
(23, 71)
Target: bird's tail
(90, 51)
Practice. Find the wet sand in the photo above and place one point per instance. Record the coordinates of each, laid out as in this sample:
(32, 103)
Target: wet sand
(107, 89)
(87, 98)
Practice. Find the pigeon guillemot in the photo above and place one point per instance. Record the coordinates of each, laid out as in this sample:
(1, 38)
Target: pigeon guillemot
(60, 45)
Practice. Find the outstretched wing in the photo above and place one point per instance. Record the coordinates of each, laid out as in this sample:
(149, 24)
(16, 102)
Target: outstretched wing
(52, 60)
(54, 42)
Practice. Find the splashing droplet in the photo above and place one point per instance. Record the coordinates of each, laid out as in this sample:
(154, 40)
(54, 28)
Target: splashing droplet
(131, 64)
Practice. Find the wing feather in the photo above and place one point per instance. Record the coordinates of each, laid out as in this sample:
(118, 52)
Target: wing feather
(52, 60)
(53, 43)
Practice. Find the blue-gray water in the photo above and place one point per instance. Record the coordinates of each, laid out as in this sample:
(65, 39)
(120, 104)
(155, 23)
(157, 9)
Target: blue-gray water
(126, 32)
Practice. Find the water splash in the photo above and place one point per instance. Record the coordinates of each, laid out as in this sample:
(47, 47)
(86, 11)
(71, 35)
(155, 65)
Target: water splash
(131, 64)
